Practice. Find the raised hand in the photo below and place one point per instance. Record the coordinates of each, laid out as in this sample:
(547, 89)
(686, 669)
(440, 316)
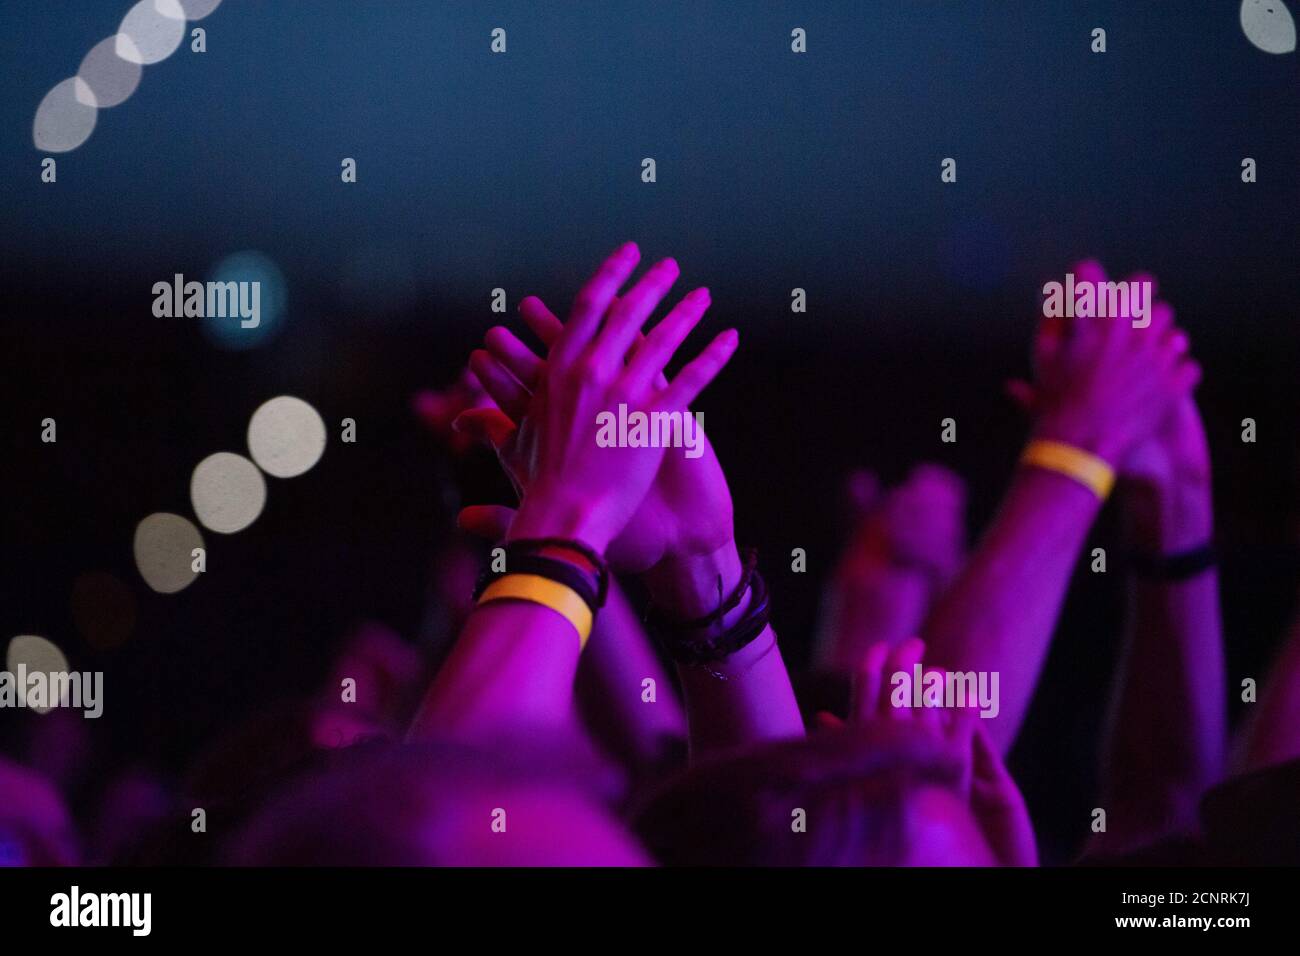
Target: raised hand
(681, 534)
(571, 486)
(1167, 471)
(687, 511)
(1177, 454)
(515, 662)
(438, 409)
(1103, 385)
(907, 544)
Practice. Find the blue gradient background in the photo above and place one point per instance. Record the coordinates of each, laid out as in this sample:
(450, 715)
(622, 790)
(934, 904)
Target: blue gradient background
(775, 170)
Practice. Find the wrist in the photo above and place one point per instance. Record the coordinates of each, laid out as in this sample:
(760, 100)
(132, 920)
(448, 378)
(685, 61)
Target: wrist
(1085, 469)
(686, 587)
(547, 515)
(1081, 435)
(1168, 517)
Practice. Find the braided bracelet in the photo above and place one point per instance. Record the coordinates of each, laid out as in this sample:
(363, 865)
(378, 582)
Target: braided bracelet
(688, 644)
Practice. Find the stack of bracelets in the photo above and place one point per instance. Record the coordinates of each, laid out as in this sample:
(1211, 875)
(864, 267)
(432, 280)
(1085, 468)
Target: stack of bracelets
(551, 582)
(706, 640)
(576, 595)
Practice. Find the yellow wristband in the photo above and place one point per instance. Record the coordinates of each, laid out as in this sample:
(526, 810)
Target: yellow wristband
(1089, 470)
(560, 598)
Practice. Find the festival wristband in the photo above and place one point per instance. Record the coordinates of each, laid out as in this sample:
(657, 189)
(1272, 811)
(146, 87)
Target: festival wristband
(560, 598)
(556, 569)
(1089, 470)
(536, 546)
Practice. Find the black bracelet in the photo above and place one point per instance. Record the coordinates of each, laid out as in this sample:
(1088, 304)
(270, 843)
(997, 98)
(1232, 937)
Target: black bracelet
(749, 567)
(1174, 567)
(555, 569)
(695, 647)
(524, 547)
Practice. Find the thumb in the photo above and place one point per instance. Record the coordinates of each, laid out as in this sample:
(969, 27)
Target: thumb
(827, 721)
(490, 425)
(486, 521)
(868, 681)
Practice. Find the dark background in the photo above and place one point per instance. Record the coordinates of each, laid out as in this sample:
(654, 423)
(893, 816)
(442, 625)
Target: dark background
(521, 171)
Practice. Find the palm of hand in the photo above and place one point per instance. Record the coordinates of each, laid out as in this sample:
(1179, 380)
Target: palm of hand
(1178, 451)
(686, 512)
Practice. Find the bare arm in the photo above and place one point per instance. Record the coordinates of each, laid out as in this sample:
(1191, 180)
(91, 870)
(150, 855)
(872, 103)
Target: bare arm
(1167, 727)
(516, 658)
(1102, 386)
(746, 698)
(611, 690)
(1000, 613)
(683, 540)
(511, 668)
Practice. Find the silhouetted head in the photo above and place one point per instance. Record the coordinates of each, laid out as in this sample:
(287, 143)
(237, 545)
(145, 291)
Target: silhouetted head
(881, 795)
(439, 804)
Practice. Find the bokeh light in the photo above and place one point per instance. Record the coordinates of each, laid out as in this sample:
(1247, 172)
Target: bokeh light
(286, 436)
(151, 31)
(249, 266)
(198, 9)
(109, 78)
(37, 654)
(164, 551)
(227, 492)
(1268, 25)
(66, 117)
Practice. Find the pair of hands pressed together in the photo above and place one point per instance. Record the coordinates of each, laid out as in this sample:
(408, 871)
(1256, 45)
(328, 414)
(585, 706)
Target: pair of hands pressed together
(644, 505)
(1131, 403)
(1163, 746)
(1120, 392)
(515, 664)
(650, 511)
(1126, 394)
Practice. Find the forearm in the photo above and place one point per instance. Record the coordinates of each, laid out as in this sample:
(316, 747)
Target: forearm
(512, 667)
(1000, 612)
(611, 686)
(1166, 732)
(746, 698)
(867, 603)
